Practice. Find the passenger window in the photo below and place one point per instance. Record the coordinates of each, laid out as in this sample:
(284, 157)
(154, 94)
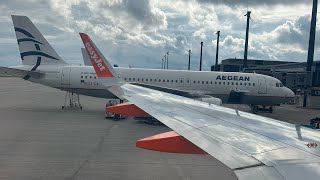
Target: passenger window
(159, 80)
(210, 82)
(150, 80)
(168, 80)
(245, 84)
(94, 77)
(215, 82)
(129, 79)
(207, 82)
(125, 79)
(155, 80)
(232, 83)
(171, 81)
(194, 82)
(163, 80)
(187, 81)
(249, 84)
(142, 79)
(181, 81)
(198, 82)
(253, 84)
(146, 79)
(202, 82)
(81, 77)
(85, 77)
(228, 83)
(176, 81)
(224, 83)
(236, 83)
(219, 82)
(240, 84)
(138, 79)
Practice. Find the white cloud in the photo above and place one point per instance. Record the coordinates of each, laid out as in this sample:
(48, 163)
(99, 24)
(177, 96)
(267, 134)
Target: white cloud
(139, 32)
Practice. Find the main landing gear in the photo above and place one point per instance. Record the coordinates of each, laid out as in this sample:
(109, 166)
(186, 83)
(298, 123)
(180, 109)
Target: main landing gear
(72, 101)
(257, 108)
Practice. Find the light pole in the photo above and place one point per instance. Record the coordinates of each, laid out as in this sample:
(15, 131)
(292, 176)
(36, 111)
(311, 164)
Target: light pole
(189, 59)
(167, 60)
(162, 64)
(310, 49)
(200, 69)
(217, 52)
(245, 56)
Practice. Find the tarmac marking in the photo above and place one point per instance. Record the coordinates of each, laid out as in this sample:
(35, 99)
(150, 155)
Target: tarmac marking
(94, 151)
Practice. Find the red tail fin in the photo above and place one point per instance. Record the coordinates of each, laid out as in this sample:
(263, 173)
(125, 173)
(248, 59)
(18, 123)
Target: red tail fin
(97, 59)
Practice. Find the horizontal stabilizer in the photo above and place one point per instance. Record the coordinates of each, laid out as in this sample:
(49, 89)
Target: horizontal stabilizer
(20, 73)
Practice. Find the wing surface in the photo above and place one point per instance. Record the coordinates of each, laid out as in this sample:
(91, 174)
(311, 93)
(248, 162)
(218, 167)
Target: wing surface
(255, 147)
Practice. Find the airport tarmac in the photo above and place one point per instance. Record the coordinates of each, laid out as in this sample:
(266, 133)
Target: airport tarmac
(39, 140)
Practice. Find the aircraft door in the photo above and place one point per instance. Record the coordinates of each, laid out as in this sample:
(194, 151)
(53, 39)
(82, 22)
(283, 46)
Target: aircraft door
(188, 82)
(181, 82)
(262, 86)
(65, 77)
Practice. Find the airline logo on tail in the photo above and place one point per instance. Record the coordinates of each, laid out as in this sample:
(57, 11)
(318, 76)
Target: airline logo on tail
(30, 38)
(96, 59)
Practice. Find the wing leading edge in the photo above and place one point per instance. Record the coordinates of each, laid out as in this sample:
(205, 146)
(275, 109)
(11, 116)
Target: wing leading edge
(253, 146)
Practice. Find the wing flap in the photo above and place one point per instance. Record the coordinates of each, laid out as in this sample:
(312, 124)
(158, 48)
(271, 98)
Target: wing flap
(284, 172)
(259, 173)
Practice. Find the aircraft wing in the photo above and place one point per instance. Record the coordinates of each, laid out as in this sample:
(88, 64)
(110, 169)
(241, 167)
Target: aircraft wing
(255, 147)
(20, 73)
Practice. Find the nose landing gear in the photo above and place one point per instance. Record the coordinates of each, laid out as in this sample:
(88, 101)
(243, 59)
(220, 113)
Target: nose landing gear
(72, 101)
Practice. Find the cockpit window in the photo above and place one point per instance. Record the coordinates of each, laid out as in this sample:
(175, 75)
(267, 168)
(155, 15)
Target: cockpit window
(279, 85)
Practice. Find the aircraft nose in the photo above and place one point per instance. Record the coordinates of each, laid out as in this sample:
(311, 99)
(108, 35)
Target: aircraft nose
(289, 93)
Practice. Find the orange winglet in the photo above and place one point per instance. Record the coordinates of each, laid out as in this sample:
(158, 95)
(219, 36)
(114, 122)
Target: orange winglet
(169, 142)
(127, 109)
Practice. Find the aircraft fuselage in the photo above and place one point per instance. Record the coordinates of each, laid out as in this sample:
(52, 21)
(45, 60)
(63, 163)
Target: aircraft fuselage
(254, 88)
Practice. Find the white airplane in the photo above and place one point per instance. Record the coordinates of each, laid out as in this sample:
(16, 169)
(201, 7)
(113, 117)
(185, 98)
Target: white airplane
(41, 64)
(254, 147)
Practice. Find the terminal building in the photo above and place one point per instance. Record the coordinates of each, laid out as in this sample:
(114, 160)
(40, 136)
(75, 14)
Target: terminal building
(235, 65)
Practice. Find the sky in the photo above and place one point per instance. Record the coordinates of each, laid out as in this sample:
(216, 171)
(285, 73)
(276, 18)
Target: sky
(138, 33)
